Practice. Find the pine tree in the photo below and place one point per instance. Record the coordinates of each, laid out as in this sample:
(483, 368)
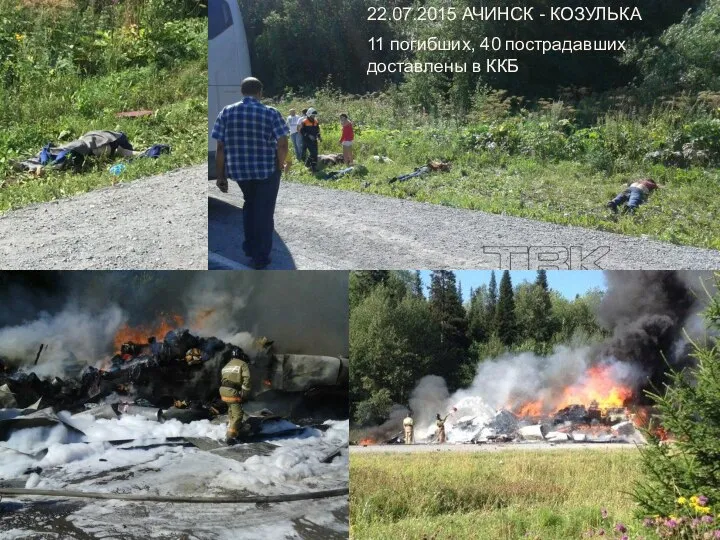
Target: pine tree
(447, 307)
(542, 312)
(417, 289)
(542, 280)
(362, 283)
(491, 304)
(477, 316)
(689, 409)
(505, 322)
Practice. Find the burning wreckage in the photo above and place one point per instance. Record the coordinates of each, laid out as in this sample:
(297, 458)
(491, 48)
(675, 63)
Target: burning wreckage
(147, 425)
(574, 423)
(598, 407)
(593, 393)
(178, 378)
(472, 422)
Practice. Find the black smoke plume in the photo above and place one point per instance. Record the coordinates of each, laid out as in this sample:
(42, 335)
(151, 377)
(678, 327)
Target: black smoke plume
(76, 314)
(646, 313)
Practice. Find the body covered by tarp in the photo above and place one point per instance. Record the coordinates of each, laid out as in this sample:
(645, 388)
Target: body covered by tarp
(93, 142)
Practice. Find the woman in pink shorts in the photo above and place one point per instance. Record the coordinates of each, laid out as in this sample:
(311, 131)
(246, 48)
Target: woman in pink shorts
(347, 138)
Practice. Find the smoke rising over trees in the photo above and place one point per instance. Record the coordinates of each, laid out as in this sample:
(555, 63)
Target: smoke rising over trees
(398, 336)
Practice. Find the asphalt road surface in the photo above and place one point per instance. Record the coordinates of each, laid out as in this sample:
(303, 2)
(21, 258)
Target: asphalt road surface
(317, 228)
(158, 222)
(534, 446)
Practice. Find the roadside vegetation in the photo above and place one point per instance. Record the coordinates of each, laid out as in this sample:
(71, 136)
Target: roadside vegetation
(554, 142)
(70, 66)
(500, 495)
(548, 160)
(667, 489)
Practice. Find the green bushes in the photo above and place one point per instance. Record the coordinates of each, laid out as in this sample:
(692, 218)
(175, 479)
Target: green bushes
(41, 43)
(685, 58)
(538, 160)
(67, 70)
(689, 409)
(614, 144)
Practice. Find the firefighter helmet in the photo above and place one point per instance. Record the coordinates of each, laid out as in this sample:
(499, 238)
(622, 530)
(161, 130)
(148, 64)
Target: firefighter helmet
(193, 356)
(237, 352)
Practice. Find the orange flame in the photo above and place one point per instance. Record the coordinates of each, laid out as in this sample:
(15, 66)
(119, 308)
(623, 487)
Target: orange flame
(367, 441)
(597, 387)
(139, 334)
(532, 408)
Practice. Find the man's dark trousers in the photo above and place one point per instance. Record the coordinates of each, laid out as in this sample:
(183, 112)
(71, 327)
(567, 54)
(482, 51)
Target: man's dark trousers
(258, 216)
(312, 147)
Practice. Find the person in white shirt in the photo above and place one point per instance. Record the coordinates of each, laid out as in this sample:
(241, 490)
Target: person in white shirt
(292, 123)
(301, 142)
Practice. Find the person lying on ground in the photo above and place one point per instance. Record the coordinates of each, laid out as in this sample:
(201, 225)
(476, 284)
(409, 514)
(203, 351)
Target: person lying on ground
(636, 194)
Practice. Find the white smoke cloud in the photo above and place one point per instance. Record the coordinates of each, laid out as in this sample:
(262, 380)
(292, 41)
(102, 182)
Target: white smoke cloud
(73, 338)
(430, 397)
(512, 380)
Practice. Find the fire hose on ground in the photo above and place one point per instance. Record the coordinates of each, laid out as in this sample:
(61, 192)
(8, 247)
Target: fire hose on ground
(248, 499)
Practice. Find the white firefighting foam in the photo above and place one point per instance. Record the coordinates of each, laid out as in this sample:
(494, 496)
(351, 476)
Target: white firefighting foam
(90, 463)
(71, 456)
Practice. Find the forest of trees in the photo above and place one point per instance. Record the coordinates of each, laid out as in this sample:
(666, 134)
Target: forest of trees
(398, 334)
(301, 45)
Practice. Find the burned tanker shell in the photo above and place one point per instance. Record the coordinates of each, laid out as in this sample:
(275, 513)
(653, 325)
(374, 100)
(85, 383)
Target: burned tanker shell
(299, 373)
(185, 415)
(299, 385)
(31, 419)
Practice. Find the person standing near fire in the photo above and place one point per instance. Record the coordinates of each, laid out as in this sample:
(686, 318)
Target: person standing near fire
(409, 426)
(235, 390)
(440, 428)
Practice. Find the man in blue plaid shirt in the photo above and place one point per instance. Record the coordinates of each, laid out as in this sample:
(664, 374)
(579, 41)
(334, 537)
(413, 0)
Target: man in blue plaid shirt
(252, 144)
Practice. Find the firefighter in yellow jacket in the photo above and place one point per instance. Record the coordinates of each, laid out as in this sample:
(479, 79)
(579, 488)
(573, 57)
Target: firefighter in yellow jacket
(440, 428)
(409, 426)
(234, 390)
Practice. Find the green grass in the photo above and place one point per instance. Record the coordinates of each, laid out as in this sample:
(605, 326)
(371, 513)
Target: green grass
(66, 97)
(569, 183)
(549, 495)
(179, 102)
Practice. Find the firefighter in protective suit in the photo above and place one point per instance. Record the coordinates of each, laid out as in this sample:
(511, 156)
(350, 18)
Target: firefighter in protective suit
(409, 426)
(234, 390)
(440, 431)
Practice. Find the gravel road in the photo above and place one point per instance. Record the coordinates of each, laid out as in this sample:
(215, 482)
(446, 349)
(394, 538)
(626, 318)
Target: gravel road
(534, 446)
(153, 223)
(319, 229)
